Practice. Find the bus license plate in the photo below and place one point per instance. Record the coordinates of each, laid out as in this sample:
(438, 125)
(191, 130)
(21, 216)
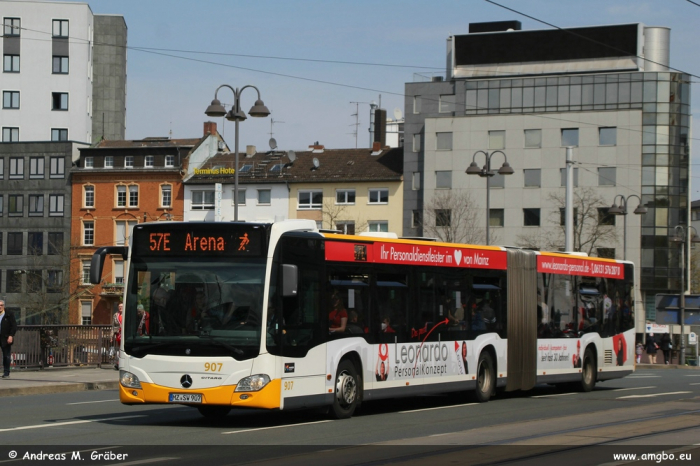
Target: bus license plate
(185, 398)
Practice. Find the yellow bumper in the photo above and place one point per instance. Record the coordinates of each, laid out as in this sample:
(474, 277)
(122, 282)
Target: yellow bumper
(267, 398)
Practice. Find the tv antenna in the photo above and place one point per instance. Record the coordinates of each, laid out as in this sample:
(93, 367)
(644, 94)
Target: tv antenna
(357, 119)
(272, 122)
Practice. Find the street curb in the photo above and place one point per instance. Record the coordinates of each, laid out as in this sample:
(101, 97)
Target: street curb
(665, 366)
(63, 388)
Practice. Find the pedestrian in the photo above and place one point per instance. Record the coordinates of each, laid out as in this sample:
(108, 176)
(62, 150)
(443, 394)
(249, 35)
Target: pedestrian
(8, 328)
(639, 350)
(666, 346)
(651, 347)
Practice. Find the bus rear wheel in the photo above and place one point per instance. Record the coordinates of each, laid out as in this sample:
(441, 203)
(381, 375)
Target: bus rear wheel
(588, 372)
(214, 412)
(347, 391)
(485, 377)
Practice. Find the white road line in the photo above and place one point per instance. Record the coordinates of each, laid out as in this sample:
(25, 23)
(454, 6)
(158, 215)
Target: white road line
(644, 377)
(438, 407)
(67, 423)
(275, 427)
(635, 388)
(652, 395)
(89, 402)
(693, 375)
(555, 394)
(695, 383)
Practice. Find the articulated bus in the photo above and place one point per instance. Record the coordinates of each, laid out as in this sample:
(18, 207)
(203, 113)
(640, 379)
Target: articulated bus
(284, 316)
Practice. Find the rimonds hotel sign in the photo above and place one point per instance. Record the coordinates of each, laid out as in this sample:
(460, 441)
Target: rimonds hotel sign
(214, 171)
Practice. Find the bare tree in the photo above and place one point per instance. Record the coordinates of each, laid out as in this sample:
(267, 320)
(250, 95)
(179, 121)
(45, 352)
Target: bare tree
(334, 213)
(591, 231)
(451, 216)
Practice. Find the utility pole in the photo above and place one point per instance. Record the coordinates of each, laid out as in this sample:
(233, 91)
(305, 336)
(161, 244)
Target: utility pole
(569, 206)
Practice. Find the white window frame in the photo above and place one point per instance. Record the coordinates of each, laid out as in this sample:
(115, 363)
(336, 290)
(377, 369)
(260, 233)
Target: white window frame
(345, 193)
(128, 161)
(149, 161)
(310, 205)
(378, 226)
(166, 188)
(169, 160)
(89, 196)
(122, 231)
(203, 203)
(109, 161)
(133, 196)
(88, 232)
(89, 162)
(377, 192)
(121, 198)
(269, 192)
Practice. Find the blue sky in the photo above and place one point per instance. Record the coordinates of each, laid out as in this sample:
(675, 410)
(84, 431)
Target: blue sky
(169, 90)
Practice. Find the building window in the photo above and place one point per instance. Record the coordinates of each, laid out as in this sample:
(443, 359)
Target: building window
(56, 205)
(443, 179)
(10, 134)
(497, 140)
(310, 200)
(531, 217)
(85, 276)
(496, 217)
(35, 243)
(416, 142)
(12, 27)
(443, 141)
(86, 310)
(55, 243)
(264, 197)
(59, 134)
(607, 253)
(443, 217)
(133, 196)
(14, 243)
(10, 99)
(58, 167)
(607, 136)
(532, 177)
(34, 281)
(533, 138)
(36, 167)
(378, 226)
(277, 168)
(447, 103)
(118, 272)
(202, 200)
(416, 219)
(241, 197)
(497, 181)
(54, 281)
(121, 196)
(149, 161)
(2, 168)
(346, 227)
(60, 28)
(562, 216)
(89, 196)
(606, 176)
(59, 101)
(345, 196)
(415, 184)
(562, 172)
(604, 218)
(36, 205)
(416, 104)
(89, 162)
(14, 281)
(123, 231)
(60, 65)
(1, 212)
(129, 161)
(166, 195)
(378, 196)
(88, 233)
(11, 63)
(246, 168)
(15, 205)
(109, 161)
(569, 137)
(169, 160)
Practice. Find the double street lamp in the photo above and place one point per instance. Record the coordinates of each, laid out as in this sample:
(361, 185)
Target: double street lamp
(622, 210)
(681, 237)
(259, 110)
(486, 172)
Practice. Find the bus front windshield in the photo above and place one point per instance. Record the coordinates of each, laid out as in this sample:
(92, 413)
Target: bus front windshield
(193, 307)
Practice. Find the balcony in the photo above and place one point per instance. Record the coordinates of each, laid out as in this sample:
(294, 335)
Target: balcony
(112, 289)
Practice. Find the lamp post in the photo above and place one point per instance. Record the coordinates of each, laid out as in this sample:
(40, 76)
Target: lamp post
(681, 237)
(258, 110)
(622, 210)
(487, 173)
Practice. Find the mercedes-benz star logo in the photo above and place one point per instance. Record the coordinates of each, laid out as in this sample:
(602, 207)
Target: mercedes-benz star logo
(186, 381)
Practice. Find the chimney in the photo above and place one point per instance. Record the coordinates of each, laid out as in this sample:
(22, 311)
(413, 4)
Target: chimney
(209, 128)
(316, 148)
(380, 126)
(376, 147)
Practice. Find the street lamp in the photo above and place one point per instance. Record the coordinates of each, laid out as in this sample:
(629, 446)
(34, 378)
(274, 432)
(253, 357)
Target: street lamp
(259, 110)
(622, 210)
(487, 173)
(681, 237)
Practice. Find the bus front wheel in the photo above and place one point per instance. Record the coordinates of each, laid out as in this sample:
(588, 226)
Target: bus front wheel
(588, 371)
(347, 391)
(485, 377)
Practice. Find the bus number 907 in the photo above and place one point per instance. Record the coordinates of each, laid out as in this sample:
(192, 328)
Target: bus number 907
(213, 367)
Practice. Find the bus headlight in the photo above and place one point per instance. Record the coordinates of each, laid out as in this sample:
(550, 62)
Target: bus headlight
(127, 379)
(252, 383)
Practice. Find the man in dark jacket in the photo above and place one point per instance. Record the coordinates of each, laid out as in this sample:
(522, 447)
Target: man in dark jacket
(8, 328)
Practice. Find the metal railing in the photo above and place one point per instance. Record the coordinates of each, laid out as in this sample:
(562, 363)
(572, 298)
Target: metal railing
(39, 346)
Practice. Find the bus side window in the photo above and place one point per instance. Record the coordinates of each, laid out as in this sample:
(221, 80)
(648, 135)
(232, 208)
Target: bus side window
(392, 307)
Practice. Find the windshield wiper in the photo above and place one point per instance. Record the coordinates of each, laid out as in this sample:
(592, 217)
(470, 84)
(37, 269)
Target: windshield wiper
(222, 344)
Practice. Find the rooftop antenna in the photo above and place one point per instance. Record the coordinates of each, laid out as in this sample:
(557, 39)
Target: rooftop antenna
(272, 122)
(171, 131)
(357, 119)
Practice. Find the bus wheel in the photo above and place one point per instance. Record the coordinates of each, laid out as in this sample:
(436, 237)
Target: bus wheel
(588, 373)
(485, 377)
(214, 412)
(347, 391)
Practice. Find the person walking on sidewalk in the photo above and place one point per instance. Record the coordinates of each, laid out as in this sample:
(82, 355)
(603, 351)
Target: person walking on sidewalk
(652, 348)
(8, 328)
(666, 347)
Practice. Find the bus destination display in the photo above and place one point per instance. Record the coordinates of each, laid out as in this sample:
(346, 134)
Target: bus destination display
(202, 242)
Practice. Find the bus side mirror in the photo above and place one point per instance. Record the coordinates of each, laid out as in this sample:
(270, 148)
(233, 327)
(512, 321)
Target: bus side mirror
(290, 280)
(98, 261)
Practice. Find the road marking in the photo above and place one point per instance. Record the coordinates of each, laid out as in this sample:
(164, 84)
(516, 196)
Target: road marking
(693, 375)
(275, 427)
(67, 423)
(88, 402)
(635, 388)
(555, 394)
(695, 383)
(652, 395)
(438, 407)
(644, 377)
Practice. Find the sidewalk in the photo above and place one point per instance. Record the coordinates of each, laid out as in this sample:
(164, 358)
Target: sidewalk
(59, 380)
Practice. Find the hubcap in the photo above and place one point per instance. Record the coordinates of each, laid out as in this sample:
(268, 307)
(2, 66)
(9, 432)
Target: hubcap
(345, 389)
